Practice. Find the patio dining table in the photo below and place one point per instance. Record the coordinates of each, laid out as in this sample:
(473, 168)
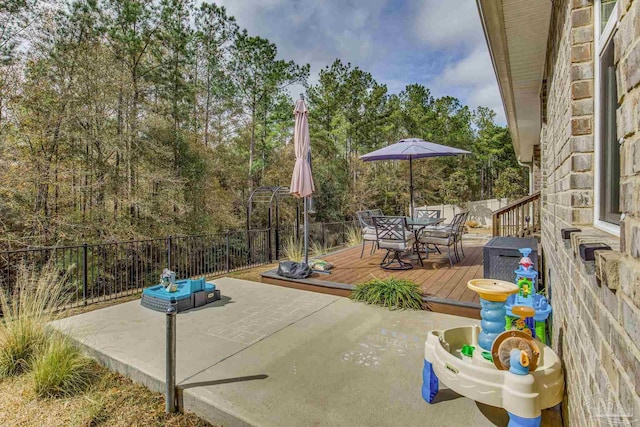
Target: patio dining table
(419, 224)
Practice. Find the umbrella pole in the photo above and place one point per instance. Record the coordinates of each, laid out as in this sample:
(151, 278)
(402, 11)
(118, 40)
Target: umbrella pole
(306, 230)
(411, 185)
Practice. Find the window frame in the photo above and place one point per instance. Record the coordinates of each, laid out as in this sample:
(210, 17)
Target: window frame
(601, 39)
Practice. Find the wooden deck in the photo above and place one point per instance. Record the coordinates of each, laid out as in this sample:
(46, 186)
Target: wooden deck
(444, 287)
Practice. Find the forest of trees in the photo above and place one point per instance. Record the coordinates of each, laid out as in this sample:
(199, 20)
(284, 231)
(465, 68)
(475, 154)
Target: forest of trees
(124, 119)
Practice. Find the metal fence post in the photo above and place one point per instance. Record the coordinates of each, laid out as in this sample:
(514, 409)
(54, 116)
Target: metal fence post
(277, 250)
(85, 278)
(227, 251)
(170, 395)
(323, 238)
(344, 235)
(169, 240)
(269, 241)
(269, 247)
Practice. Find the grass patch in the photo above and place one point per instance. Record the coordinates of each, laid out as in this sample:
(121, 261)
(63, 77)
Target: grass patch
(111, 400)
(61, 386)
(61, 370)
(293, 249)
(390, 292)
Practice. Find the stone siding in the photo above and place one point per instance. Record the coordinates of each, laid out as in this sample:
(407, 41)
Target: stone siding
(596, 319)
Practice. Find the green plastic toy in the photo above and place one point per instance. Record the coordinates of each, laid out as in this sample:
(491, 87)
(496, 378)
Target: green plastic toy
(467, 350)
(525, 286)
(487, 356)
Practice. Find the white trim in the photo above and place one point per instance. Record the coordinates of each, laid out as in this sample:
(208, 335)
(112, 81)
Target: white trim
(607, 31)
(600, 41)
(607, 227)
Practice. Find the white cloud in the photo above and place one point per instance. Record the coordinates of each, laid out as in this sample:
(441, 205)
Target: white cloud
(443, 24)
(473, 78)
(438, 43)
(473, 69)
(315, 32)
(488, 95)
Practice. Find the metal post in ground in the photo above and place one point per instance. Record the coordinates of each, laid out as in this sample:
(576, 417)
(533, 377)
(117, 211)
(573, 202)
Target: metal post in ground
(277, 230)
(170, 394)
(226, 237)
(269, 247)
(297, 221)
(306, 230)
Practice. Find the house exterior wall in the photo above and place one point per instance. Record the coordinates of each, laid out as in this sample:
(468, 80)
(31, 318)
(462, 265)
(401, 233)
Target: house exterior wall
(595, 326)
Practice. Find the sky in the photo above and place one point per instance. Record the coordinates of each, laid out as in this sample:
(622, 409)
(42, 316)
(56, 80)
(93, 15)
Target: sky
(437, 43)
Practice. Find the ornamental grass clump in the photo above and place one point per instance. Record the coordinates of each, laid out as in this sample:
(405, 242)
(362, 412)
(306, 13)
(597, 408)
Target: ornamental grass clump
(390, 292)
(19, 343)
(353, 236)
(293, 250)
(319, 248)
(36, 299)
(61, 369)
(56, 366)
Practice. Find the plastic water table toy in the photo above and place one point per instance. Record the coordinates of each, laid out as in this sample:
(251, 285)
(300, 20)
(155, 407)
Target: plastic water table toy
(525, 321)
(183, 294)
(493, 296)
(527, 295)
(515, 372)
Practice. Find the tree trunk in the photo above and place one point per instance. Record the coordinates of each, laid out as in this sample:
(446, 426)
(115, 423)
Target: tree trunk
(207, 107)
(133, 131)
(116, 187)
(252, 145)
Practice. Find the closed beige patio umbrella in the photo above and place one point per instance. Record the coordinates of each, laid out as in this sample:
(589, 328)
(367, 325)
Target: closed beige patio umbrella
(302, 179)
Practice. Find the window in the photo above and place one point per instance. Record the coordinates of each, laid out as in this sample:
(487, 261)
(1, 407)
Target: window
(607, 150)
(606, 10)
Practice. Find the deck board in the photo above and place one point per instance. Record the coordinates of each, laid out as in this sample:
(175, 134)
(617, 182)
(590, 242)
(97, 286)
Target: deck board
(435, 278)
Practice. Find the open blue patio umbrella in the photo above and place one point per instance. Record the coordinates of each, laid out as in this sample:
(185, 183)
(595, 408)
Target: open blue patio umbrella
(409, 149)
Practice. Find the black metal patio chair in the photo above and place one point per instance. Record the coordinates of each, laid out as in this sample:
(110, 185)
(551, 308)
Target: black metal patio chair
(394, 235)
(426, 213)
(368, 229)
(449, 235)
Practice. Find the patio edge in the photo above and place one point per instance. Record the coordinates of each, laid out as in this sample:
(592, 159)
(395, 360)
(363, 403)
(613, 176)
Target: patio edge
(439, 305)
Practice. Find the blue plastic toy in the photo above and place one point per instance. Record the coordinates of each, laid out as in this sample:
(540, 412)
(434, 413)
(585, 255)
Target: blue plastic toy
(527, 280)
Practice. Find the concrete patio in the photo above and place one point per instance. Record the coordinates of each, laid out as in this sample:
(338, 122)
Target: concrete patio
(272, 356)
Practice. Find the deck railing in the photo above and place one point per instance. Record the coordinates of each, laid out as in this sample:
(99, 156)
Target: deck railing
(519, 219)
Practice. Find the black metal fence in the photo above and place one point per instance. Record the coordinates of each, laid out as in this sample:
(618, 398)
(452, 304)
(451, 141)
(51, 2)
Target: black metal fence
(97, 272)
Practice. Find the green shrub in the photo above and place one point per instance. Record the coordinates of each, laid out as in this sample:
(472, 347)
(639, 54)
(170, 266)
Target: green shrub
(391, 292)
(37, 297)
(61, 369)
(293, 250)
